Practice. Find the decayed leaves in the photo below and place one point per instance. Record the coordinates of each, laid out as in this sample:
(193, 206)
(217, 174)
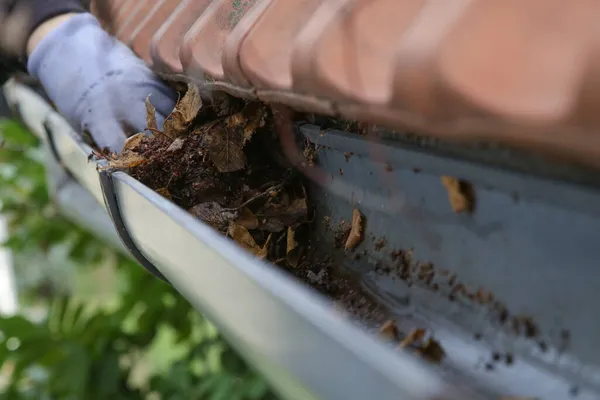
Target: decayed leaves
(356, 231)
(247, 219)
(292, 252)
(225, 148)
(184, 113)
(213, 214)
(151, 123)
(275, 217)
(243, 237)
(460, 194)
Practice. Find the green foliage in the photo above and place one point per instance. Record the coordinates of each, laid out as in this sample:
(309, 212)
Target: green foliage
(85, 351)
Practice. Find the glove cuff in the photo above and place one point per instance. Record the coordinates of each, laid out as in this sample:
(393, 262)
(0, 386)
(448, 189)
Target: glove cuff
(63, 41)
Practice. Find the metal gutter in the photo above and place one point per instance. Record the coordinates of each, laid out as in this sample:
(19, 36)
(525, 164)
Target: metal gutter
(287, 331)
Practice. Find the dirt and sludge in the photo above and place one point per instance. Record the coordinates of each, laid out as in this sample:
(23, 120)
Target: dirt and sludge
(221, 161)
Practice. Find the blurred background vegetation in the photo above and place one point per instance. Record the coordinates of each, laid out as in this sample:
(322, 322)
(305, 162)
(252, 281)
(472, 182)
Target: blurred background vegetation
(92, 324)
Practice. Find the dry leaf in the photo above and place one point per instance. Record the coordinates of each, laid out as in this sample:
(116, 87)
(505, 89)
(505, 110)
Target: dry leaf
(150, 115)
(414, 336)
(225, 149)
(247, 219)
(389, 331)
(460, 194)
(133, 141)
(127, 159)
(243, 237)
(432, 350)
(164, 192)
(264, 251)
(190, 104)
(277, 217)
(292, 252)
(176, 145)
(213, 214)
(356, 232)
(272, 225)
(184, 113)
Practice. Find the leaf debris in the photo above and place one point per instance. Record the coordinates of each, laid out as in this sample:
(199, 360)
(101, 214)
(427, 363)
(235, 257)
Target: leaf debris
(460, 194)
(356, 230)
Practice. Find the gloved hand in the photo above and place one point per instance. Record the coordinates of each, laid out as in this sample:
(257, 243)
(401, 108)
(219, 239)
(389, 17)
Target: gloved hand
(96, 82)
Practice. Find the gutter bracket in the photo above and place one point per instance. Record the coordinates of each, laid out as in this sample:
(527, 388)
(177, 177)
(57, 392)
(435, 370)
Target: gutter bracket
(112, 206)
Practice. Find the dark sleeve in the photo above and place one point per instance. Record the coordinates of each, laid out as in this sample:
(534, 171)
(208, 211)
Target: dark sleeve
(34, 13)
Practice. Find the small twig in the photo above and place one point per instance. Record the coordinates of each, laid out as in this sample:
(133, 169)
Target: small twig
(261, 195)
(154, 130)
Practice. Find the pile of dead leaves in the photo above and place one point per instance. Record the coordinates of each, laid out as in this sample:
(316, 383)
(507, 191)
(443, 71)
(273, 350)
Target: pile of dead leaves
(211, 160)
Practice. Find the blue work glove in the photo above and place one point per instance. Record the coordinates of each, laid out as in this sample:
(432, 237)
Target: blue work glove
(97, 82)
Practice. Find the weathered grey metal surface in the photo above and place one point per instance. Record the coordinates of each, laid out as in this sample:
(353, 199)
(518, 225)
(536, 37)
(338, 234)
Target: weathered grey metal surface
(531, 242)
(286, 330)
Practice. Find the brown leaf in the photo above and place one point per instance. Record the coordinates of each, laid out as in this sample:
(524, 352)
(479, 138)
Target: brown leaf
(264, 251)
(389, 331)
(277, 216)
(460, 194)
(184, 113)
(292, 252)
(243, 237)
(247, 219)
(133, 141)
(272, 225)
(356, 231)
(429, 349)
(190, 104)
(150, 115)
(432, 350)
(213, 214)
(164, 192)
(127, 159)
(225, 149)
(297, 210)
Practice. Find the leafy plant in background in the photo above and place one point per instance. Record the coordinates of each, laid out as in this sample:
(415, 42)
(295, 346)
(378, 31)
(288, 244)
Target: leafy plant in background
(83, 351)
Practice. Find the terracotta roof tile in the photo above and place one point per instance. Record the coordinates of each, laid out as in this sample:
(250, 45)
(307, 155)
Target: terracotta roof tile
(142, 37)
(167, 41)
(519, 71)
(129, 23)
(202, 49)
(266, 58)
